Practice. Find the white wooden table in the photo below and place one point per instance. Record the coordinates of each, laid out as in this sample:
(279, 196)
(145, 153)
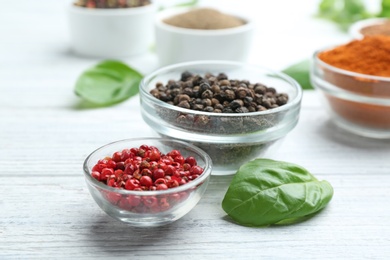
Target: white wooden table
(47, 212)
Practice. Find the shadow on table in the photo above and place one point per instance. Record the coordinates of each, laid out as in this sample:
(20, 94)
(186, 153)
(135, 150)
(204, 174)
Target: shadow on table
(110, 235)
(330, 131)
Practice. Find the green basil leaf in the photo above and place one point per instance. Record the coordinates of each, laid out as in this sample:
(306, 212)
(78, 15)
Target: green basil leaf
(107, 83)
(385, 11)
(343, 12)
(301, 73)
(265, 192)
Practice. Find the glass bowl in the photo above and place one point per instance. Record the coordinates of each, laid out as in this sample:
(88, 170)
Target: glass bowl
(366, 27)
(357, 102)
(230, 139)
(148, 208)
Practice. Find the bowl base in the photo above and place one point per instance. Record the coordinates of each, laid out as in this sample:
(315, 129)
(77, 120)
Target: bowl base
(360, 130)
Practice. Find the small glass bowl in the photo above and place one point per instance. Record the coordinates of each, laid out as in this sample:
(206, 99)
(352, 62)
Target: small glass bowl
(230, 139)
(357, 102)
(120, 203)
(357, 29)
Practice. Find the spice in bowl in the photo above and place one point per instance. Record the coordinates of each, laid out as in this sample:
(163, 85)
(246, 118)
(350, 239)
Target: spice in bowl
(204, 19)
(355, 78)
(379, 28)
(145, 168)
(218, 94)
(111, 3)
(233, 111)
(367, 56)
(147, 181)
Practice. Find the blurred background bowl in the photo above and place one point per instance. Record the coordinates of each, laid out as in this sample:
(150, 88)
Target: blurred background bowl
(111, 33)
(371, 26)
(121, 204)
(231, 139)
(176, 44)
(356, 102)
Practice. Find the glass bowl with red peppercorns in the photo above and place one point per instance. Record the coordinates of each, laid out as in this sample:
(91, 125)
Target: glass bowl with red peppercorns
(233, 111)
(147, 181)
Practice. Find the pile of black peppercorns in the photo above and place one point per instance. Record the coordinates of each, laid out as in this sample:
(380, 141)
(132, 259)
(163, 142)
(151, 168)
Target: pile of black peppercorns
(218, 94)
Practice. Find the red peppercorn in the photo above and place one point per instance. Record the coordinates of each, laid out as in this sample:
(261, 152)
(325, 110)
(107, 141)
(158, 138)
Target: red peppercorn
(150, 201)
(111, 183)
(179, 159)
(146, 181)
(164, 204)
(146, 172)
(137, 175)
(117, 156)
(174, 153)
(96, 175)
(162, 186)
(99, 167)
(196, 170)
(113, 197)
(170, 170)
(125, 154)
(123, 204)
(172, 183)
(133, 200)
(191, 160)
(186, 166)
(132, 184)
(106, 173)
(145, 169)
(155, 155)
(160, 181)
(144, 164)
(120, 166)
(152, 187)
(111, 164)
(158, 173)
(129, 169)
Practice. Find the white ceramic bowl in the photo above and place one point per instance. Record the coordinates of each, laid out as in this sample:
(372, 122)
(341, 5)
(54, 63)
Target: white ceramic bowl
(175, 44)
(111, 33)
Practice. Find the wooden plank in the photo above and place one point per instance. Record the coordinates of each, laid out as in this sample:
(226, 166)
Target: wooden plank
(56, 216)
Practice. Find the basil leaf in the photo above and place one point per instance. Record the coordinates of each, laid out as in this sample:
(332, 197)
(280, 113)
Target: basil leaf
(107, 83)
(301, 73)
(385, 11)
(343, 12)
(265, 192)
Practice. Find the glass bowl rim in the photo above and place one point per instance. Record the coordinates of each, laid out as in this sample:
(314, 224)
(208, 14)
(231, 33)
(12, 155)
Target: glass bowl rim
(356, 28)
(292, 82)
(347, 94)
(193, 184)
(343, 71)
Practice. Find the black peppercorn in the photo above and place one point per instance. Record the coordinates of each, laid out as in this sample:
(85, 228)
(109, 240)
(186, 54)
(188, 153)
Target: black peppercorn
(218, 94)
(222, 76)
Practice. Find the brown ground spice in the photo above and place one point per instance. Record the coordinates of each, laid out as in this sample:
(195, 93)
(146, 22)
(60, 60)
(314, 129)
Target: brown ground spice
(371, 56)
(382, 28)
(204, 19)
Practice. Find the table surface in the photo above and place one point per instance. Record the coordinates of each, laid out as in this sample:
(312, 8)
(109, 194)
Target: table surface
(46, 210)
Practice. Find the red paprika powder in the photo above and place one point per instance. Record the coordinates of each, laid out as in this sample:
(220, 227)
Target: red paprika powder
(365, 70)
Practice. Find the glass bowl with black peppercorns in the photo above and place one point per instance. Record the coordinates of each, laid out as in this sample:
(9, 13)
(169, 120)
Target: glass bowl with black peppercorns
(147, 181)
(234, 111)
